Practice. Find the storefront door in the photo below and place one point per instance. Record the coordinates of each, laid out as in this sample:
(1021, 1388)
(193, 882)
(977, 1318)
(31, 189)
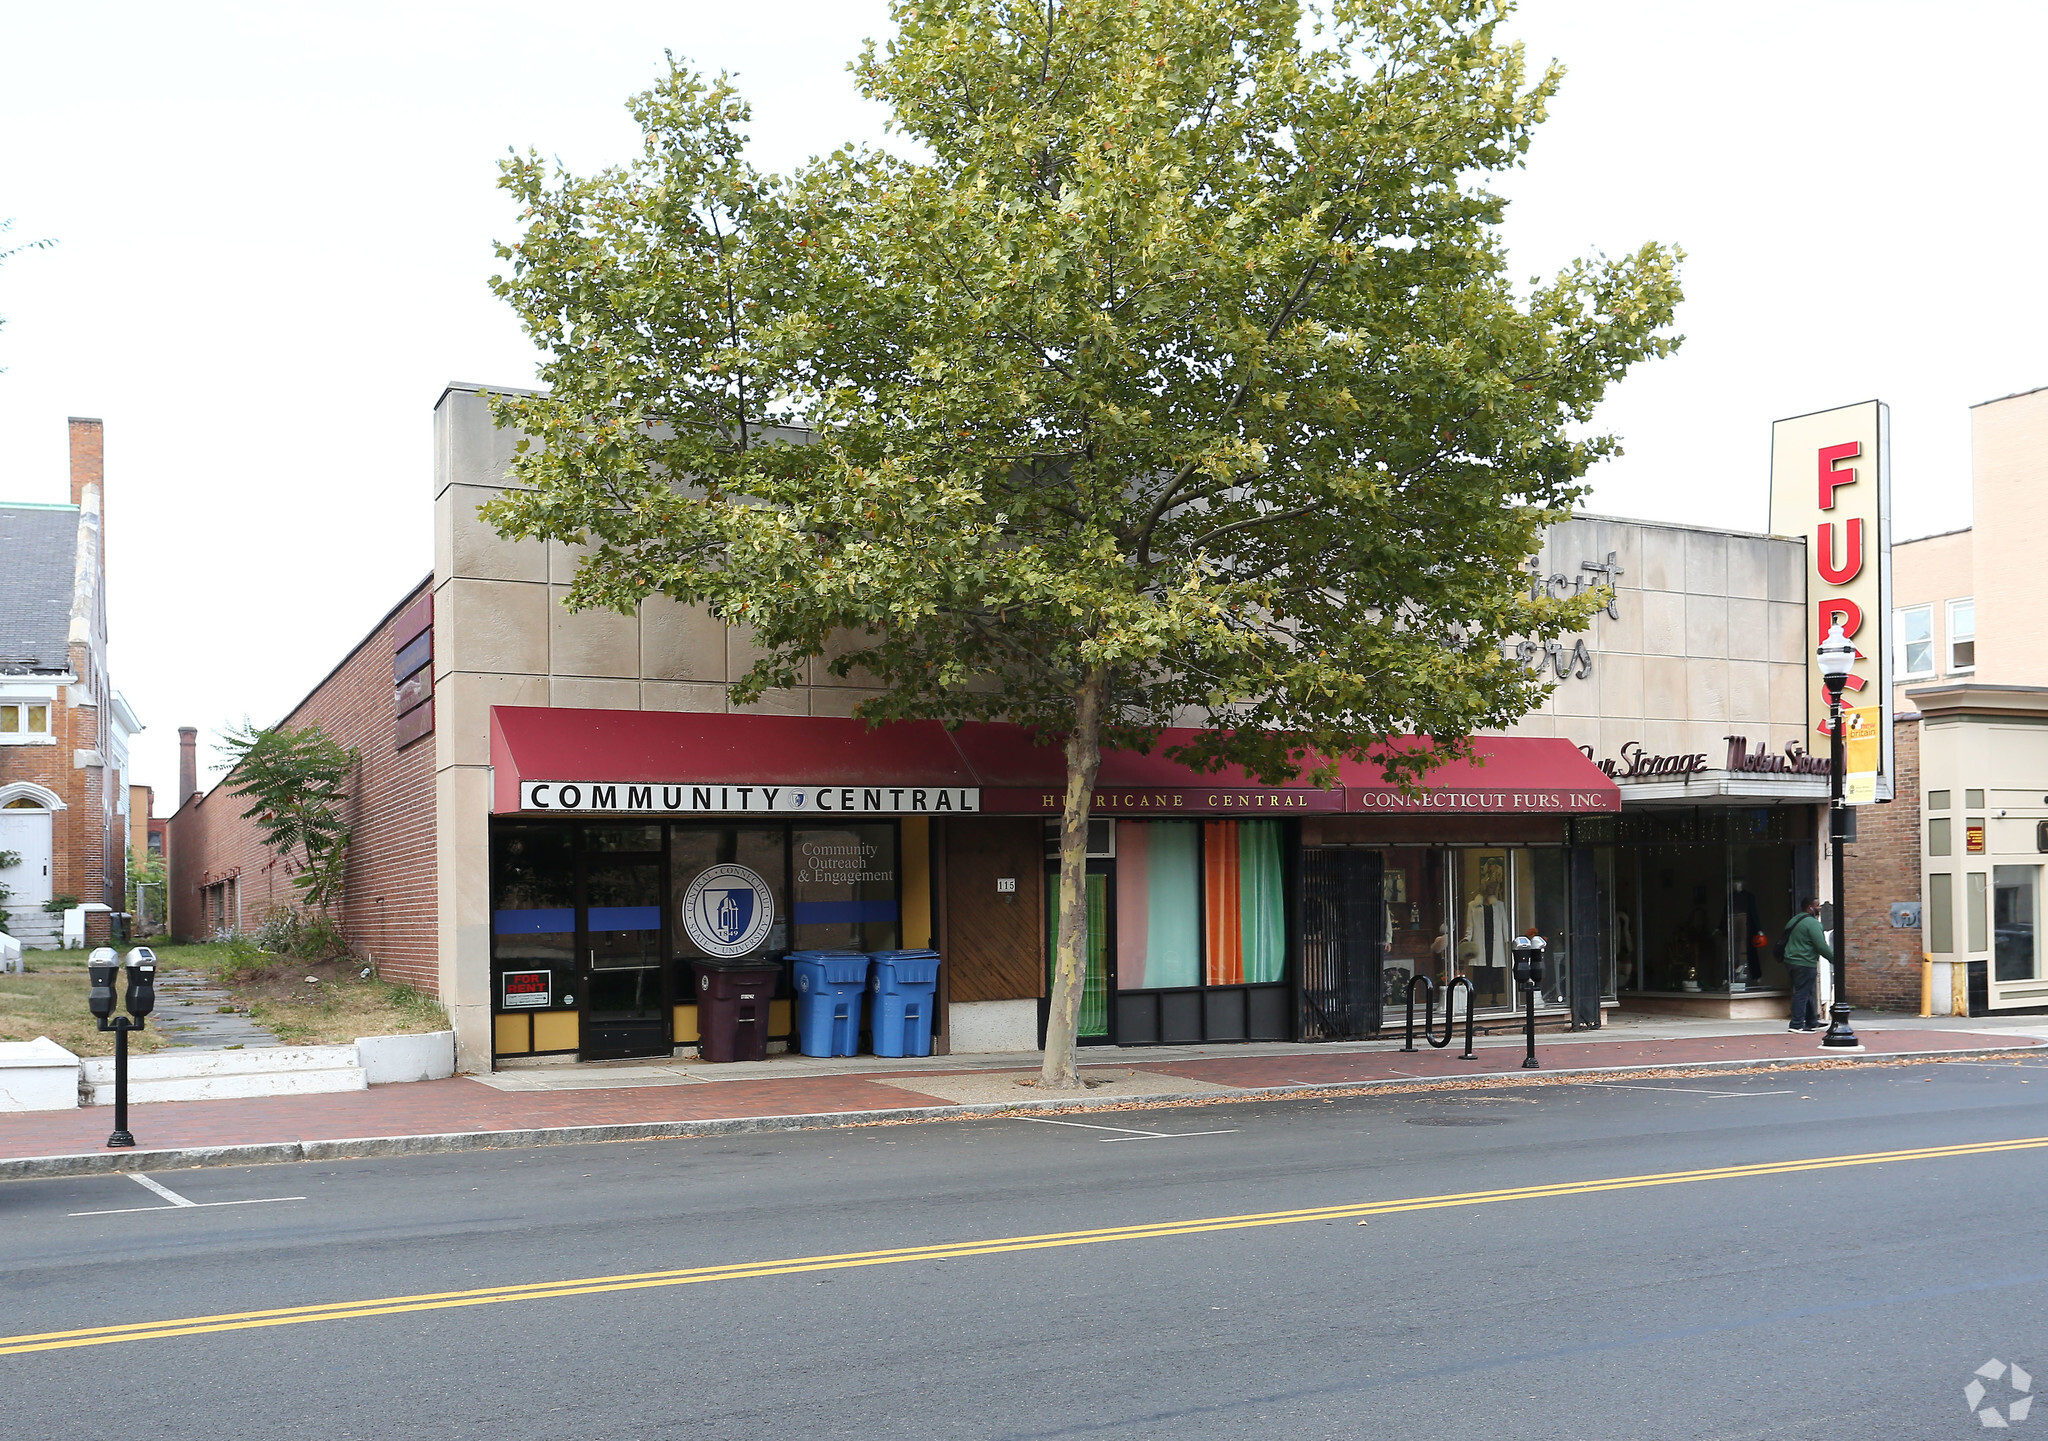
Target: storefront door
(1099, 979)
(1344, 930)
(625, 1005)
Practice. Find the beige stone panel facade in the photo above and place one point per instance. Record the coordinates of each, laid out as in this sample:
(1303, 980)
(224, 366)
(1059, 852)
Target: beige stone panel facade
(1749, 630)
(1614, 734)
(1788, 571)
(794, 701)
(467, 545)
(585, 694)
(740, 652)
(682, 696)
(1707, 691)
(1706, 626)
(1577, 697)
(1706, 563)
(491, 625)
(1749, 692)
(462, 712)
(1532, 725)
(1788, 633)
(468, 448)
(463, 871)
(839, 644)
(1788, 695)
(839, 700)
(1663, 622)
(1749, 567)
(564, 561)
(1666, 737)
(1579, 730)
(1784, 735)
(1621, 684)
(1664, 687)
(1663, 559)
(1622, 632)
(680, 642)
(591, 642)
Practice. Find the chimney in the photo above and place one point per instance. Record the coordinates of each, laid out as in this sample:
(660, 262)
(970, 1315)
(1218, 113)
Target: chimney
(88, 467)
(188, 763)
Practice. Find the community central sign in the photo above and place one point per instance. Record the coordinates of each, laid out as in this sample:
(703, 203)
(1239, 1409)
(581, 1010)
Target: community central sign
(661, 799)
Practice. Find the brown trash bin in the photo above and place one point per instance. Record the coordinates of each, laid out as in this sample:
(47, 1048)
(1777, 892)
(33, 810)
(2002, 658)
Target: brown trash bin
(732, 1007)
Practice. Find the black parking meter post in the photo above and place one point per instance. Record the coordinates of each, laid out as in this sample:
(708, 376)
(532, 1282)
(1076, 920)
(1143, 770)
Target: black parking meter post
(1529, 976)
(102, 966)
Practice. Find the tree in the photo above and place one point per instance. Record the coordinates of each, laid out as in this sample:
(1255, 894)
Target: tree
(293, 778)
(1182, 380)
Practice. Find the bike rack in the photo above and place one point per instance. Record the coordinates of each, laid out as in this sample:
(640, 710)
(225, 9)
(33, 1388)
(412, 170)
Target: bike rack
(1429, 989)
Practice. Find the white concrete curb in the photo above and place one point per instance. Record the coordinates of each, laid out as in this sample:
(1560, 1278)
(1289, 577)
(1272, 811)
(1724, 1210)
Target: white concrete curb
(226, 1075)
(37, 1075)
(386, 1059)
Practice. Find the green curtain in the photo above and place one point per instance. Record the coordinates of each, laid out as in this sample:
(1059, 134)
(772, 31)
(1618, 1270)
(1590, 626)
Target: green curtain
(1262, 908)
(1173, 904)
(1095, 987)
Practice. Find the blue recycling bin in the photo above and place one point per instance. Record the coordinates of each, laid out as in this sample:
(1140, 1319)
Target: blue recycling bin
(905, 987)
(829, 985)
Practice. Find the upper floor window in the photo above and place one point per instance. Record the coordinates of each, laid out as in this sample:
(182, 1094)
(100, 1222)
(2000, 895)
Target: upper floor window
(1962, 634)
(1916, 642)
(20, 720)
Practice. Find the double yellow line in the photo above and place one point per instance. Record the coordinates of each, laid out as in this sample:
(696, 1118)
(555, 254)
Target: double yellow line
(747, 1270)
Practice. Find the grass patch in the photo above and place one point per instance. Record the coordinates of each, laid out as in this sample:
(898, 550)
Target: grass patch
(337, 1005)
(50, 1001)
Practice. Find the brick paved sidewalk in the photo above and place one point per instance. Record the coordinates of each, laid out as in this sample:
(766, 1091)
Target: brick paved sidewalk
(460, 1113)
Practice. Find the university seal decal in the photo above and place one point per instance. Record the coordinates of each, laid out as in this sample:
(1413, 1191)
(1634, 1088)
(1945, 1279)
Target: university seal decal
(728, 911)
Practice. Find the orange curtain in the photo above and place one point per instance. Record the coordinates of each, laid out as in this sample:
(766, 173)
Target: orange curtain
(1223, 933)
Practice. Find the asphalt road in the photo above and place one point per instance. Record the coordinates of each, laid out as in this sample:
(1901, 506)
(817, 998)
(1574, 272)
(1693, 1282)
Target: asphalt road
(1785, 1300)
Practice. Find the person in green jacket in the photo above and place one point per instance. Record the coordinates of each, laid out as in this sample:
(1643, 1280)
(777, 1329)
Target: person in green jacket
(1806, 945)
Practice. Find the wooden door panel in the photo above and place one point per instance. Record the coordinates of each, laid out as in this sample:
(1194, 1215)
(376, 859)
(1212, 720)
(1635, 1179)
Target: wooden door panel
(994, 947)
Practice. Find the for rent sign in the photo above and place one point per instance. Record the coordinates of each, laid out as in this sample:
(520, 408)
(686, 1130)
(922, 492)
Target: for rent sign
(1831, 486)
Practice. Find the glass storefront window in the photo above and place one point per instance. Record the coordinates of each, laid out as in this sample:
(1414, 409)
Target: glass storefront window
(761, 849)
(845, 889)
(2015, 931)
(1485, 925)
(1685, 918)
(1761, 905)
(1418, 935)
(1542, 901)
(533, 904)
(1158, 905)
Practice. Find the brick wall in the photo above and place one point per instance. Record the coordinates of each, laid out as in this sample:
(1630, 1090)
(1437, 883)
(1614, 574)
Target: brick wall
(1883, 866)
(388, 905)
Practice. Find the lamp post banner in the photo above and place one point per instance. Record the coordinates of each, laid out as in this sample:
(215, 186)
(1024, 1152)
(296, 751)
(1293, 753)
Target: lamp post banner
(1831, 486)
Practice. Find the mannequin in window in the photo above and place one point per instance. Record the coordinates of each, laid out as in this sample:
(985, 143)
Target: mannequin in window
(1488, 933)
(1750, 922)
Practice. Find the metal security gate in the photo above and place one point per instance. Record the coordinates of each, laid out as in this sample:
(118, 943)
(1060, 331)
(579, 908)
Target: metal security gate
(1342, 933)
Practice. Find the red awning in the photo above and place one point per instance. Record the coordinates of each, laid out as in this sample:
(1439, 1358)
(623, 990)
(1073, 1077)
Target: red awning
(921, 766)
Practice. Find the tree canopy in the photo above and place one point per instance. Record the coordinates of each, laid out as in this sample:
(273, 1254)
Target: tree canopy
(1171, 374)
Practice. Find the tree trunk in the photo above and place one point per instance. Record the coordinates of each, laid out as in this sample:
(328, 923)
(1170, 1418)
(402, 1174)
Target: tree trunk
(1070, 966)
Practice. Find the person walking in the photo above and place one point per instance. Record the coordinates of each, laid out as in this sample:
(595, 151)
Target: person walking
(1806, 946)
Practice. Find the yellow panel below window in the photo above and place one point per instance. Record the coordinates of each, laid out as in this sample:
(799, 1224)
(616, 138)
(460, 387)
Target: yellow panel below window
(513, 1034)
(557, 1031)
(780, 1020)
(686, 1025)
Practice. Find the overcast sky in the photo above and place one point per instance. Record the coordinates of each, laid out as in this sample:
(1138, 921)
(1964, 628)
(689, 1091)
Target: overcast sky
(275, 226)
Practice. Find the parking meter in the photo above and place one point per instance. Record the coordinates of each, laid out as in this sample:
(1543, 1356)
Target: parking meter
(1529, 962)
(100, 967)
(141, 982)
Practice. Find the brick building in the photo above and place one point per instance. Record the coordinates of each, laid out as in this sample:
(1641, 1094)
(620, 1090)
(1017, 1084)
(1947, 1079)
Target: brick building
(223, 880)
(1881, 869)
(64, 729)
(545, 792)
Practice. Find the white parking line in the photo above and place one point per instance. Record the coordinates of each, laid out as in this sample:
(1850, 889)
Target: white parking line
(178, 1202)
(1126, 1132)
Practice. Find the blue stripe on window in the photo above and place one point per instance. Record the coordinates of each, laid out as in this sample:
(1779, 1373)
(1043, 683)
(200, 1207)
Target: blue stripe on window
(532, 923)
(625, 918)
(830, 913)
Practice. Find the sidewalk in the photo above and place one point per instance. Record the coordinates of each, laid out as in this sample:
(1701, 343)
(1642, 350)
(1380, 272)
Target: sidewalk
(640, 1100)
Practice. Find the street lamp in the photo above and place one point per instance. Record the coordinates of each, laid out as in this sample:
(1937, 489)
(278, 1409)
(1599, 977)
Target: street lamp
(1837, 654)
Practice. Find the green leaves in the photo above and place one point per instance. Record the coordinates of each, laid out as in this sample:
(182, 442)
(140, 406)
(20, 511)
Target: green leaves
(1188, 358)
(294, 779)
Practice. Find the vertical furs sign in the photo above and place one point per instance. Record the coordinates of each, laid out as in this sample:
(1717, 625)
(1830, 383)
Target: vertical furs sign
(1831, 485)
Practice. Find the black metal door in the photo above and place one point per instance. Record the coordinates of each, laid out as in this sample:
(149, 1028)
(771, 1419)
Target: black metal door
(1342, 935)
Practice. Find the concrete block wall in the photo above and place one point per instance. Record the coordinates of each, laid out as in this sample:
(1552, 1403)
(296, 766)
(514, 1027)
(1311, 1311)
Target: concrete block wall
(388, 908)
(1708, 639)
(1880, 867)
